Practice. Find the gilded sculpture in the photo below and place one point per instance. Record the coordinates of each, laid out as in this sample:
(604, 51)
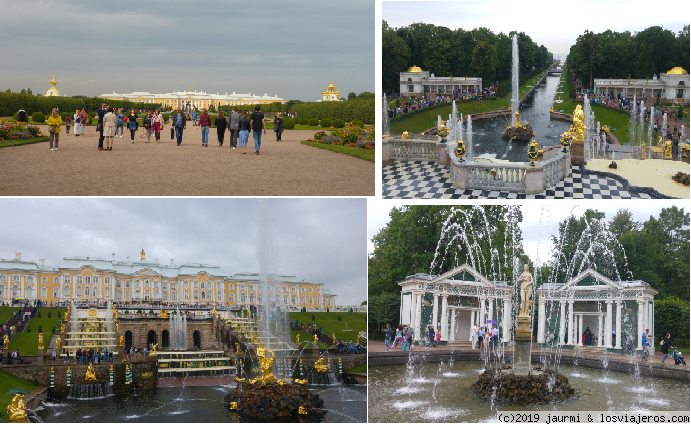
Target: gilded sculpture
(320, 367)
(316, 339)
(297, 339)
(120, 340)
(163, 314)
(16, 410)
(58, 343)
(6, 341)
(266, 363)
(142, 253)
(153, 350)
(526, 280)
(40, 341)
(90, 375)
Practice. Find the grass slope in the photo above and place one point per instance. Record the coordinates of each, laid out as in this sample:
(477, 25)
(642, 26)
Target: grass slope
(356, 321)
(27, 343)
(6, 312)
(7, 382)
(357, 152)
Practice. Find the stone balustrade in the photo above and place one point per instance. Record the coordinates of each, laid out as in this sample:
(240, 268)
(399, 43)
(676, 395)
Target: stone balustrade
(409, 149)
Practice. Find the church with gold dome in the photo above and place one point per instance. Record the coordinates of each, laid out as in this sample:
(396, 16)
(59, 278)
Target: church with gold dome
(417, 82)
(672, 86)
(53, 90)
(331, 93)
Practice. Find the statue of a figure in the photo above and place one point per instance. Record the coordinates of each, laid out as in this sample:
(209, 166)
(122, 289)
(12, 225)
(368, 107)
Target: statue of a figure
(526, 280)
(120, 341)
(297, 339)
(153, 350)
(320, 367)
(142, 253)
(518, 119)
(40, 341)
(58, 343)
(316, 339)
(16, 409)
(90, 375)
(266, 363)
(6, 341)
(163, 314)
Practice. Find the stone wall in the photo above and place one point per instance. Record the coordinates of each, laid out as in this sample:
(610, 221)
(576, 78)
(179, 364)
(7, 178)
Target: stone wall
(140, 327)
(347, 361)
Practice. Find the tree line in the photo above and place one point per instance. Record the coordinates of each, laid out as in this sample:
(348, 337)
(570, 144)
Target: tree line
(445, 52)
(10, 103)
(612, 54)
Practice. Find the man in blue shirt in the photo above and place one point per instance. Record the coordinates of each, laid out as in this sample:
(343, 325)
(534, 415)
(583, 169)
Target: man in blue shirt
(101, 113)
(180, 123)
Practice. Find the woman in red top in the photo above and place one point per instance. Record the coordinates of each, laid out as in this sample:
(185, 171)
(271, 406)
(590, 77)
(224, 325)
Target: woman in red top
(205, 123)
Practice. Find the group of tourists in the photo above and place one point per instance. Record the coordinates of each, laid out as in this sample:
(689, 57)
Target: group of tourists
(404, 335)
(13, 357)
(485, 336)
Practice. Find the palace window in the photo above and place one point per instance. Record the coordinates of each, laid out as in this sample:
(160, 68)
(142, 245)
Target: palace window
(292, 289)
(328, 301)
(196, 295)
(172, 286)
(96, 279)
(319, 300)
(56, 280)
(138, 294)
(107, 292)
(209, 295)
(278, 298)
(66, 291)
(303, 299)
(219, 285)
(187, 294)
(293, 299)
(231, 287)
(203, 294)
(219, 296)
(67, 278)
(94, 291)
(317, 289)
(164, 294)
(302, 289)
(15, 278)
(242, 287)
(187, 284)
(127, 294)
(285, 299)
(86, 291)
(56, 292)
(196, 284)
(259, 298)
(156, 295)
(87, 280)
(146, 295)
(107, 280)
(251, 297)
(155, 284)
(242, 297)
(79, 290)
(137, 284)
(29, 291)
(3, 278)
(127, 284)
(2, 290)
(172, 296)
(146, 284)
(79, 279)
(231, 297)
(44, 280)
(118, 283)
(15, 291)
(311, 299)
(310, 289)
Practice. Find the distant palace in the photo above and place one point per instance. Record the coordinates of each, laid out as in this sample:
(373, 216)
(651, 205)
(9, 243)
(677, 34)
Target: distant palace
(92, 279)
(195, 99)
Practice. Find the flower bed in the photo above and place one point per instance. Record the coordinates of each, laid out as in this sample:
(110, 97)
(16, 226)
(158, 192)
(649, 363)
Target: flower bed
(10, 130)
(353, 136)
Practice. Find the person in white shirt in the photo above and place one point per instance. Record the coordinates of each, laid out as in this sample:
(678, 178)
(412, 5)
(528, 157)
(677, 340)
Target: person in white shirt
(473, 334)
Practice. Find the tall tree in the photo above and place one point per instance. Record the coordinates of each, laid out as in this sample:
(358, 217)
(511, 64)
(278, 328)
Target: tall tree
(484, 61)
(395, 55)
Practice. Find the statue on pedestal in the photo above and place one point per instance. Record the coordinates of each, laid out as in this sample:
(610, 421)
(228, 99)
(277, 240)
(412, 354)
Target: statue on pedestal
(40, 341)
(320, 367)
(90, 375)
(6, 341)
(58, 343)
(142, 253)
(526, 280)
(16, 409)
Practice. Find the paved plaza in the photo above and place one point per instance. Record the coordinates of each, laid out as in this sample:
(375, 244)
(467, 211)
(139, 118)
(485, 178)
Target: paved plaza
(431, 180)
(78, 168)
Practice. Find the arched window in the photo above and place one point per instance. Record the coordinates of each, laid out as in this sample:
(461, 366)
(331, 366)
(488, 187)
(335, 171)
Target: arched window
(242, 297)
(285, 299)
(127, 284)
(202, 285)
(127, 294)
(164, 295)
(86, 291)
(118, 294)
(187, 294)
(44, 292)
(303, 300)
(137, 284)
(278, 298)
(259, 297)
(302, 289)
(79, 279)
(155, 284)
(292, 289)
(107, 280)
(2, 290)
(317, 289)
(328, 301)
(310, 289)
(146, 284)
(137, 294)
(87, 280)
(146, 295)
(209, 295)
(56, 292)
(311, 299)
(187, 284)
(219, 286)
(79, 290)
(196, 295)
(94, 291)
(29, 291)
(56, 280)
(231, 287)
(118, 283)
(251, 297)
(107, 292)
(44, 280)
(15, 291)
(319, 300)
(173, 286)
(172, 296)
(231, 297)
(96, 279)
(66, 291)
(67, 278)
(242, 287)
(196, 284)
(293, 299)
(203, 294)
(156, 295)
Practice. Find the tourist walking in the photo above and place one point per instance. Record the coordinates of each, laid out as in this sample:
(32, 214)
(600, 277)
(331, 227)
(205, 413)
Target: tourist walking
(179, 123)
(205, 123)
(220, 128)
(410, 337)
(68, 121)
(430, 335)
(132, 124)
(666, 344)
(120, 122)
(194, 118)
(258, 126)
(84, 121)
(101, 113)
(109, 123)
(480, 335)
(234, 127)
(244, 126)
(77, 120)
(495, 337)
(278, 126)
(54, 123)
(157, 125)
(148, 126)
(387, 337)
(53, 354)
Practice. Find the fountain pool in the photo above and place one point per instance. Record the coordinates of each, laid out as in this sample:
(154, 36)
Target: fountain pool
(441, 392)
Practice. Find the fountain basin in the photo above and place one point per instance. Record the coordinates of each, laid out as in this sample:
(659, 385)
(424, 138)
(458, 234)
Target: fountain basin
(646, 173)
(502, 386)
(274, 400)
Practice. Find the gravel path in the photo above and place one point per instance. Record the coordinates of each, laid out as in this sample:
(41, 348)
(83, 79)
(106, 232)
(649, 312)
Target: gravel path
(78, 168)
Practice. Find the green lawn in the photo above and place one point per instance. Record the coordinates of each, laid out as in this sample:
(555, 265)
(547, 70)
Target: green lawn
(366, 154)
(27, 343)
(359, 368)
(6, 312)
(7, 382)
(356, 321)
(20, 141)
(425, 120)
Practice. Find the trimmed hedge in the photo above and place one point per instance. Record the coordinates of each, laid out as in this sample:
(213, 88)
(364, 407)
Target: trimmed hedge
(38, 117)
(301, 121)
(338, 123)
(10, 103)
(313, 122)
(357, 123)
(325, 122)
(288, 123)
(166, 116)
(348, 110)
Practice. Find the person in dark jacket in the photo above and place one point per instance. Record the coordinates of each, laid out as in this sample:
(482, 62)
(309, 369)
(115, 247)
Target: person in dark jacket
(234, 127)
(179, 123)
(430, 334)
(278, 126)
(132, 124)
(220, 128)
(244, 126)
(666, 344)
(148, 125)
(22, 115)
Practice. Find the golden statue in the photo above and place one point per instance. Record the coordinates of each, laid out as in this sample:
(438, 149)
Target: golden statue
(40, 341)
(254, 339)
(153, 350)
(668, 149)
(58, 343)
(233, 405)
(239, 379)
(266, 363)
(404, 136)
(142, 253)
(117, 327)
(643, 156)
(62, 328)
(214, 310)
(90, 376)
(120, 341)
(297, 339)
(518, 119)
(316, 339)
(16, 409)
(526, 280)
(163, 314)
(320, 367)
(659, 141)
(302, 411)
(6, 341)
(333, 337)
(298, 381)
(443, 130)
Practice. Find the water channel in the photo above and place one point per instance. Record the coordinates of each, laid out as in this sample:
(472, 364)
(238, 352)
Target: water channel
(487, 141)
(441, 392)
(193, 404)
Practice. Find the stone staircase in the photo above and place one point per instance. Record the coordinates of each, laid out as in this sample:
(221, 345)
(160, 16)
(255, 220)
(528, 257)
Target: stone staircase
(461, 343)
(586, 350)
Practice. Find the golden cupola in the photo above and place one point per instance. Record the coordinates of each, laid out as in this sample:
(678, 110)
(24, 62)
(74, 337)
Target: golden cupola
(53, 91)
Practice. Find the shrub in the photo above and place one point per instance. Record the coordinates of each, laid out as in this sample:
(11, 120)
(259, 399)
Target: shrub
(91, 115)
(48, 314)
(325, 122)
(38, 117)
(313, 319)
(62, 115)
(329, 139)
(357, 123)
(319, 135)
(40, 329)
(349, 137)
(339, 318)
(39, 315)
(313, 122)
(288, 123)
(165, 118)
(338, 123)
(212, 118)
(680, 113)
(139, 311)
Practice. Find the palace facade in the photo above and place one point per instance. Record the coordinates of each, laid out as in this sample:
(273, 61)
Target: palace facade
(92, 279)
(672, 86)
(418, 82)
(195, 99)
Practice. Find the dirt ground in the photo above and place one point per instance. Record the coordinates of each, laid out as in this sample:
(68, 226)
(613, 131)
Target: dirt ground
(78, 168)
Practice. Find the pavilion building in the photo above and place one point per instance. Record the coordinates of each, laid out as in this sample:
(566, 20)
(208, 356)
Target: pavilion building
(194, 99)
(90, 279)
(53, 90)
(672, 86)
(418, 83)
(331, 94)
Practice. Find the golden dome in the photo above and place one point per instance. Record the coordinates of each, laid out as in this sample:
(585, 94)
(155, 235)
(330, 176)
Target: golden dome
(677, 71)
(414, 69)
(53, 91)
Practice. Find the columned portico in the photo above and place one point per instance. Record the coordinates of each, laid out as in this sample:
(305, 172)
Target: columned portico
(617, 344)
(570, 329)
(444, 318)
(608, 327)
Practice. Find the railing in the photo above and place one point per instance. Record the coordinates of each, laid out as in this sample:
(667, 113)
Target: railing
(552, 172)
(414, 149)
(497, 176)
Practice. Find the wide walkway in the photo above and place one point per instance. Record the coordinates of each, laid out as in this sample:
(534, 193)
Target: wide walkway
(78, 168)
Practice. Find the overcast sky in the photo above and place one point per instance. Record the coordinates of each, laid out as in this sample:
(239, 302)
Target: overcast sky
(540, 218)
(319, 240)
(290, 49)
(554, 24)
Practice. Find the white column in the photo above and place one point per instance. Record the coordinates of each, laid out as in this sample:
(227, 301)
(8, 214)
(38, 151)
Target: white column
(562, 323)
(444, 323)
(571, 321)
(435, 315)
(418, 316)
(473, 317)
(599, 330)
(507, 320)
(608, 326)
(453, 324)
(541, 322)
(491, 308)
(640, 324)
(652, 319)
(580, 330)
(470, 334)
(482, 310)
(617, 344)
